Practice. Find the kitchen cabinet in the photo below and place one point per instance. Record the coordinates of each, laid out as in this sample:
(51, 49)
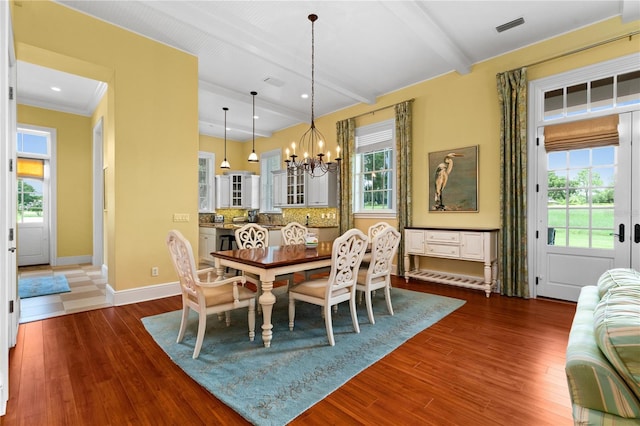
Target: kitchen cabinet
(206, 182)
(476, 245)
(207, 240)
(322, 190)
(296, 188)
(238, 191)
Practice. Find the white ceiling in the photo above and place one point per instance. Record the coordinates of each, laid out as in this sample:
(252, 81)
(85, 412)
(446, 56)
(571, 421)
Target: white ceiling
(363, 49)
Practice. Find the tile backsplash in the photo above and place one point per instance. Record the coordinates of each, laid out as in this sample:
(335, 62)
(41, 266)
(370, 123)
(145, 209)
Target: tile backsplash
(320, 217)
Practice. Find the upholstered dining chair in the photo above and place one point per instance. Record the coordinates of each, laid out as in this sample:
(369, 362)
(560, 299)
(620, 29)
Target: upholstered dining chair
(294, 233)
(340, 286)
(205, 295)
(377, 275)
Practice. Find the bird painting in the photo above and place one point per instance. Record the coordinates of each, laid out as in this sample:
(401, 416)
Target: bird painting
(441, 177)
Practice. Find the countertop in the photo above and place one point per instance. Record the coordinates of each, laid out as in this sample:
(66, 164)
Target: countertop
(238, 225)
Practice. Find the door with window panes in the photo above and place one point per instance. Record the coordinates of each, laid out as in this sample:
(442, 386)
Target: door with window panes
(589, 203)
(33, 197)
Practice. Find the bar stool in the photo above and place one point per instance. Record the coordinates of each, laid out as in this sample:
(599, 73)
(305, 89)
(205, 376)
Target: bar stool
(229, 239)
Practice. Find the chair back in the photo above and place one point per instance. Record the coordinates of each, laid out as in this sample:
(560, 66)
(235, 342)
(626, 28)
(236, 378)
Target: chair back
(346, 256)
(252, 235)
(374, 229)
(383, 249)
(294, 233)
(183, 261)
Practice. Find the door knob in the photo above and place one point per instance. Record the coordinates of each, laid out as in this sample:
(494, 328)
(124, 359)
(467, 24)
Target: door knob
(620, 233)
(12, 249)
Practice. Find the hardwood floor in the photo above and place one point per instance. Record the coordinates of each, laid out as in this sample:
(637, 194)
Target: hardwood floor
(496, 361)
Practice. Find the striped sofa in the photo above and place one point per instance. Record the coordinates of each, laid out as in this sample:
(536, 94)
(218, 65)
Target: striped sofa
(603, 353)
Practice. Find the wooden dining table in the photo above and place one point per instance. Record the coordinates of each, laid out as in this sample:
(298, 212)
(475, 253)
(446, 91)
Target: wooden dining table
(269, 262)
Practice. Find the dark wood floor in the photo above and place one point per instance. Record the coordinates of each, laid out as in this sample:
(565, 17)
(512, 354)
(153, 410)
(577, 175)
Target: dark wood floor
(496, 361)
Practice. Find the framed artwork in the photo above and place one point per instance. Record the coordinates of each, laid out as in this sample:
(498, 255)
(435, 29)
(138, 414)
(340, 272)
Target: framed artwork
(453, 180)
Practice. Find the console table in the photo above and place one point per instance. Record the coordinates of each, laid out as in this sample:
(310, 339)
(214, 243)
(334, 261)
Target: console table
(471, 244)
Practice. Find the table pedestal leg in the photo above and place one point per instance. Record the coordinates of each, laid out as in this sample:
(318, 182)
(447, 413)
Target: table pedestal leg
(267, 300)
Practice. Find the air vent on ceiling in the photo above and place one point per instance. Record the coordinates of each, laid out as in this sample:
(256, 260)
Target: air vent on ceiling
(274, 81)
(509, 25)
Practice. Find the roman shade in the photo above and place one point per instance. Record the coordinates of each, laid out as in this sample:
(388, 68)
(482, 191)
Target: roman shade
(592, 133)
(30, 168)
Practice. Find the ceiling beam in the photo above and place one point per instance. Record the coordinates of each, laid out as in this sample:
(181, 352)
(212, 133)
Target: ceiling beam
(630, 10)
(236, 32)
(265, 105)
(235, 129)
(416, 17)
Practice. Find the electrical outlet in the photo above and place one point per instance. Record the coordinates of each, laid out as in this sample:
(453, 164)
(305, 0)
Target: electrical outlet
(334, 215)
(322, 215)
(154, 271)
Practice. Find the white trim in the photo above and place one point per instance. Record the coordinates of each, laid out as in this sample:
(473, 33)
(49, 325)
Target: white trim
(535, 119)
(98, 195)
(73, 260)
(142, 294)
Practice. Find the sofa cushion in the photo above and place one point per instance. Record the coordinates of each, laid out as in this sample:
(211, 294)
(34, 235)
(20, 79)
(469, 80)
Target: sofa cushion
(617, 331)
(618, 277)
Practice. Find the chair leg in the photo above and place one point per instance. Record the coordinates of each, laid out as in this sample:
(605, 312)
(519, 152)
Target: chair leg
(329, 325)
(227, 318)
(292, 312)
(367, 297)
(354, 313)
(252, 320)
(387, 296)
(202, 325)
(183, 323)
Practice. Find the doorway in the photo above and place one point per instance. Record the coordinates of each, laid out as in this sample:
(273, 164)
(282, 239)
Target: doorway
(35, 195)
(585, 208)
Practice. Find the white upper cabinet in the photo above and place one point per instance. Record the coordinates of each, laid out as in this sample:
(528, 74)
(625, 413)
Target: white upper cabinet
(238, 191)
(206, 182)
(299, 189)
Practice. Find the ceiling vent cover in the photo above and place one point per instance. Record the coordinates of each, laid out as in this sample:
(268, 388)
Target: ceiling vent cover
(509, 25)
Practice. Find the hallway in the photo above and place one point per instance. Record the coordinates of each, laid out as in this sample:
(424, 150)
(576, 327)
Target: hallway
(88, 292)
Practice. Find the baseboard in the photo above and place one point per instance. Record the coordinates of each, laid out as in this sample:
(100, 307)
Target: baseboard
(74, 260)
(142, 294)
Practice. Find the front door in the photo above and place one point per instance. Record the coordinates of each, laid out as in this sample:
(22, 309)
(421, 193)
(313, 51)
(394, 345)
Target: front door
(591, 216)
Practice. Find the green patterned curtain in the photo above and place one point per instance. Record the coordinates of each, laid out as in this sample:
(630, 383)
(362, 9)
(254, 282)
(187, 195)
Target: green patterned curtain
(403, 173)
(512, 94)
(346, 138)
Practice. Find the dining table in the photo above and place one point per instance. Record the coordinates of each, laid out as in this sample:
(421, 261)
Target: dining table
(269, 262)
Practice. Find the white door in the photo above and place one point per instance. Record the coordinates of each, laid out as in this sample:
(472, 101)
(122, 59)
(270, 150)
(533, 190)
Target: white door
(33, 221)
(34, 195)
(588, 206)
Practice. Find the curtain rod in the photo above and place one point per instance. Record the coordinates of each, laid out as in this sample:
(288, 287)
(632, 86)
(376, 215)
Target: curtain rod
(581, 49)
(380, 109)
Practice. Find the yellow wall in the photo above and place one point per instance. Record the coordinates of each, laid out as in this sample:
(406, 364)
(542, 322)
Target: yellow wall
(151, 133)
(73, 177)
(152, 125)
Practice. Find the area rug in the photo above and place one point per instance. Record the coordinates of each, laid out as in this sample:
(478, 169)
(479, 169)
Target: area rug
(272, 386)
(42, 286)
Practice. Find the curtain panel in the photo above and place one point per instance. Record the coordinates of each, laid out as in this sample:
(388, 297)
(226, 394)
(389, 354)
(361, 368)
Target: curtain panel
(346, 138)
(404, 125)
(512, 94)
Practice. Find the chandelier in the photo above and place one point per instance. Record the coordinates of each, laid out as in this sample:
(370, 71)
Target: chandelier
(253, 157)
(313, 159)
(225, 164)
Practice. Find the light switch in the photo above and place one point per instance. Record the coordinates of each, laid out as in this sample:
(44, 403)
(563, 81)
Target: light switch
(181, 217)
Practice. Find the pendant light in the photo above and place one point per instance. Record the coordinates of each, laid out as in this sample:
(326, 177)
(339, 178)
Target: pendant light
(225, 164)
(253, 158)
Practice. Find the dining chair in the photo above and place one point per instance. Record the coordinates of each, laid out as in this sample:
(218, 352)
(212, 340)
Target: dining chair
(377, 275)
(205, 295)
(294, 233)
(250, 236)
(339, 286)
(372, 232)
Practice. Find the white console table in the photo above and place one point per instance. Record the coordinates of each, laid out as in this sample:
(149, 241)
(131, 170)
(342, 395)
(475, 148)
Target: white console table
(472, 244)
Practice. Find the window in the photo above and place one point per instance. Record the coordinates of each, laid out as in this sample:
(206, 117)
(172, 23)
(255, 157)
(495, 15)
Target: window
(374, 174)
(269, 161)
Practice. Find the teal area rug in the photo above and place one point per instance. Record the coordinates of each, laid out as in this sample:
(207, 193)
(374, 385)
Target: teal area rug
(42, 286)
(272, 386)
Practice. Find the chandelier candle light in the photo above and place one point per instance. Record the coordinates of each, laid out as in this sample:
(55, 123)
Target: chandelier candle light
(311, 141)
(253, 157)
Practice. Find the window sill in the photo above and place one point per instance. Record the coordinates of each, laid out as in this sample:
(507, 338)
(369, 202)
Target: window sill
(375, 215)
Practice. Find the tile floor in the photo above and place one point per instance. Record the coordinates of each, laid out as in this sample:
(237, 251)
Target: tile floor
(88, 291)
